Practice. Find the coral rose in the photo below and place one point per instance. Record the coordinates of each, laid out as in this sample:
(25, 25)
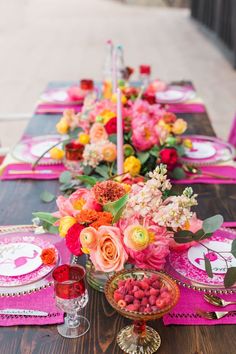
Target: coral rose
(65, 223)
(169, 157)
(48, 256)
(109, 152)
(97, 133)
(179, 126)
(110, 255)
(132, 165)
(73, 239)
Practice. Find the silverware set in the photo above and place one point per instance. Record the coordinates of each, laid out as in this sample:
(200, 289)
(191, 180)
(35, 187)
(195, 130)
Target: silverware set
(216, 301)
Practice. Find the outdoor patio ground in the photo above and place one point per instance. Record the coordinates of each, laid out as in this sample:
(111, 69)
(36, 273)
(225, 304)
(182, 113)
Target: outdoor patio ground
(44, 40)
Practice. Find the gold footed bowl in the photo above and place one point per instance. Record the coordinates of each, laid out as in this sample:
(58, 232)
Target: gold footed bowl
(139, 338)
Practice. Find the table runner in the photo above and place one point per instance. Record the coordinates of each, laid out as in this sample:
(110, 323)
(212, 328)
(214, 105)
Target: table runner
(190, 301)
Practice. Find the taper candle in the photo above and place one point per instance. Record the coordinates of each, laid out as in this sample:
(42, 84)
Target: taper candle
(114, 72)
(120, 137)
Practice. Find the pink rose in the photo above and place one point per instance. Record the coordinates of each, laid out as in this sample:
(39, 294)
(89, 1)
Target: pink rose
(110, 254)
(98, 133)
(79, 200)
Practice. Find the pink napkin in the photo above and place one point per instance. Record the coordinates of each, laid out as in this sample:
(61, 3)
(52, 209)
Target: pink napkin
(52, 108)
(56, 170)
(228, 171)
(184, 313)
(186, 108)
(42, 300)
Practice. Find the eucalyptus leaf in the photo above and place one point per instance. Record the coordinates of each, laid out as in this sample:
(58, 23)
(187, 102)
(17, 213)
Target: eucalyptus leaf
(47, 197)
(208, 267)
(91, 181)
(143, 156)
(213, 223)
(230, 277)
(87, 170)
(65, 177)
(201, 235)
(45, 217)
(113, 138)
(183, 236)
(233, 248)
(178, 173)
(102, 171)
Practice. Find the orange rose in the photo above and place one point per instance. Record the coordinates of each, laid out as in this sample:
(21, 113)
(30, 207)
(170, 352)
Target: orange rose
(97, 133)
(48, 256)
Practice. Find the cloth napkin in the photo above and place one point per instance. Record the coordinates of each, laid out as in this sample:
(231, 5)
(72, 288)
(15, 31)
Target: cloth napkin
(52, 108)
(56, 171)
(227, 171)
(184, 313)
(42, 300)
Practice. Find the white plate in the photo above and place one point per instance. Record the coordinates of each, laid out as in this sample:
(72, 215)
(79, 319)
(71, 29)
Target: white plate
(200, 150)
(196, 256)
(19, 258)
(55, 96)
(39, 148)
(170, 95)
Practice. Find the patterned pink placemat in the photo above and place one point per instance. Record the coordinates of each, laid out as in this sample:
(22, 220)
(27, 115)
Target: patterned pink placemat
(184, 312)
(56, 109)
(42, 300)
(55, 171)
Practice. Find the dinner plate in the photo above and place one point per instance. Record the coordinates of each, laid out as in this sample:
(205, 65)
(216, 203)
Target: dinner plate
(207, 150)
(187, 267)
(29, 149)
(175, 94)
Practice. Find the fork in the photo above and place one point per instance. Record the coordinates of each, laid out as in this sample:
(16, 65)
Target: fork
(217, 301)
(214, 315)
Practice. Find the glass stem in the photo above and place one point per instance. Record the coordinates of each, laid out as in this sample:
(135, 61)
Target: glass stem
(140, 328)
(72, 320)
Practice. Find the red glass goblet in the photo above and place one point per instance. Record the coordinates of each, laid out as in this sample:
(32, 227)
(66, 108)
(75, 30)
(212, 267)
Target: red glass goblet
(74, 157)
(71, 296)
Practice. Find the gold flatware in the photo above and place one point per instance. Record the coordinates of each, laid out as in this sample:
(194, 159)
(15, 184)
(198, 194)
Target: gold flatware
(33, 172)
(217, 301)
(196, 173)
(214, 315)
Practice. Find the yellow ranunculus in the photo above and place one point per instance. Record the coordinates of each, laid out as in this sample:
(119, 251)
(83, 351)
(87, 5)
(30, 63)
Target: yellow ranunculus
(56, 153)
(107, 115)
(65, 223)
(132, 165)
(137, 237)
(114, 98)
(188, 143)
(83, 138)
(179, 126)
(62, 126)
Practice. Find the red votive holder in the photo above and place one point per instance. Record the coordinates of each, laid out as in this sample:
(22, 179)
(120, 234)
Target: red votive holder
(74, 151)
(87, 84)
(145, 69)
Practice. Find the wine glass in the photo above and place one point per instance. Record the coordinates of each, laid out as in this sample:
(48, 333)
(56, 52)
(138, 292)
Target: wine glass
(139, 338)
(71, 296)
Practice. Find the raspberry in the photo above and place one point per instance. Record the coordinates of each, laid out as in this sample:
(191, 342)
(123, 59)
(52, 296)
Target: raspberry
(123, 290)
(156, 284)
(137, 302)
(152, 300)
(154, 291)
(144, 285)
(132, 307)
(142, 308)
(139, 294)
(122, 303)
(121, 283)
(144, 301)
(147, 310)
(160, 303)
(154, 308)
(135, 288)
(117, 296)
(129, 299)
(164, 289)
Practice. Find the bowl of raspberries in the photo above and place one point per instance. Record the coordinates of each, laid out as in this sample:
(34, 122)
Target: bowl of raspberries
(141, 295)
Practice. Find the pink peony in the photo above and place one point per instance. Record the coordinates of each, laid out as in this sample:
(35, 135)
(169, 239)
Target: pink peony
(79, 200)
(144, 136)
(110, 255)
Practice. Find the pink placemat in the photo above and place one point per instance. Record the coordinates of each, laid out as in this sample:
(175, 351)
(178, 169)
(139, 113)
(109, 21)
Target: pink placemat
(228, 171)
(52, 108)
(55, 171)
(42, 300)
(186, 108)
(190, 301)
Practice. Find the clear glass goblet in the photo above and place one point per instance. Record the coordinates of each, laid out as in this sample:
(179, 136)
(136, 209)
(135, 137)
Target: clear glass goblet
(71, 296)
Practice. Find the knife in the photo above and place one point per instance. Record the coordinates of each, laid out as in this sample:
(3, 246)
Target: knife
(23, 312)
(16, 172)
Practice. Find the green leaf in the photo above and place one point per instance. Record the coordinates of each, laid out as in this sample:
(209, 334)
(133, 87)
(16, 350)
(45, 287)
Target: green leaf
(87, 170)
(230, 277)
(116, 208)
(213, 223)
(50, 228)
(65, 177)
(154, 151)
(143, 156)
(47, 197)
(91, 181)
(200, 235)
(208, 267)
(75, 132)
(233, 248)
(113, 138)
(183, 236)
(102, 171)
(180, 149)
(47, 217)
(178, 173)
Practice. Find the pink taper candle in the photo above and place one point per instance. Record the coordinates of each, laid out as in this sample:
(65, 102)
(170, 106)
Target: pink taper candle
(114, 73)
(120, 137)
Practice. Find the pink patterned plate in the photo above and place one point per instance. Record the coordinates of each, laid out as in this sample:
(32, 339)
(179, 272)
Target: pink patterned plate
(188, 267)
(207, 150)
(175, 94)
(28, 150)
(20, 261)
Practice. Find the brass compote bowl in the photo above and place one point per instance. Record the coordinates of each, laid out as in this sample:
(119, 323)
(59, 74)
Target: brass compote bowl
(139, 338)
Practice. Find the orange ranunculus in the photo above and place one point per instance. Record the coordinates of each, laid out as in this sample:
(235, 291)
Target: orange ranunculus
(98, 133)
(89, 238)
(109, 152)
(48, 256)
(109, 255)
(179, 126)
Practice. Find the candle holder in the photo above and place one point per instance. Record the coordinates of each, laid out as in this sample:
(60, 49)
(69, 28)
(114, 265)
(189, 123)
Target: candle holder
(74, 157)
(139, 338)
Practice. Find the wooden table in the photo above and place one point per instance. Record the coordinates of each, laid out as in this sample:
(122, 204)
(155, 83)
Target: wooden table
(18, 199)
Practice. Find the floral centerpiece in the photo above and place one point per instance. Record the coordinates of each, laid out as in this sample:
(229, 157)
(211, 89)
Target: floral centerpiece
(151, 136)
(116, 224)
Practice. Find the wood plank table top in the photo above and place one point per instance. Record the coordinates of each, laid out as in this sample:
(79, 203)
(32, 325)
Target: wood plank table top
(18, 199)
